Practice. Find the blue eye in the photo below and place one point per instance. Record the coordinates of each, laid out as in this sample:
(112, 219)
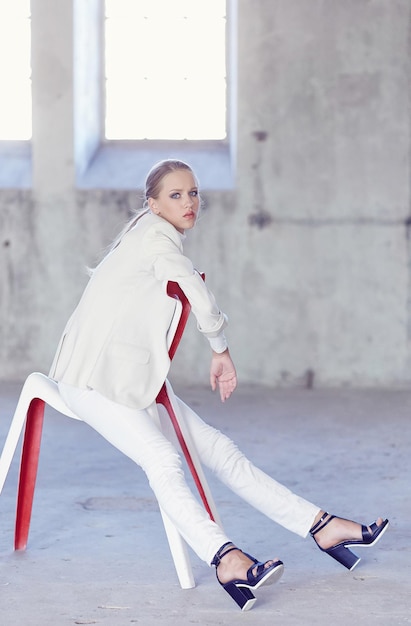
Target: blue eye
(175, 196)
(194, 193)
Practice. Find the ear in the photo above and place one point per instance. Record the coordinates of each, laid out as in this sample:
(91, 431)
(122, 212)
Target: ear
(153, 205)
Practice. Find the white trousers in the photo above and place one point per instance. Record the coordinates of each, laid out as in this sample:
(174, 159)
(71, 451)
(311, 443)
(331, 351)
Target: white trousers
(136, 434)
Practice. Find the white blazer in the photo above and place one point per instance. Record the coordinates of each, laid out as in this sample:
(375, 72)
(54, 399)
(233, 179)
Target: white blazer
(116, 340)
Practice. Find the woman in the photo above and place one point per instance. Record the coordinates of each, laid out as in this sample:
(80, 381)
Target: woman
(112, 361)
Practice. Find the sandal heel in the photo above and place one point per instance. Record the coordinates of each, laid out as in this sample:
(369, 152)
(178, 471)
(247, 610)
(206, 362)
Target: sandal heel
(258, 574)
(344, 556)
(341, 552)
(243, 596)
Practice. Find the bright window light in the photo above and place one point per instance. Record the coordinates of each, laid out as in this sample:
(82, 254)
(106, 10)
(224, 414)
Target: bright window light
(15, 70)
(165, 65)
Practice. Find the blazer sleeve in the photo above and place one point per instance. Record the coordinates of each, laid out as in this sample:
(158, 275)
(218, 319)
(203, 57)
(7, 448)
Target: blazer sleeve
(164, 250)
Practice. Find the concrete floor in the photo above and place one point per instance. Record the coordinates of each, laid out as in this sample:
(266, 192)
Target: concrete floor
(97, 550)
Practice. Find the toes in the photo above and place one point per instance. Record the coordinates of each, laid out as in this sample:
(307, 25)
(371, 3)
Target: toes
(379, 521)
(267, 564)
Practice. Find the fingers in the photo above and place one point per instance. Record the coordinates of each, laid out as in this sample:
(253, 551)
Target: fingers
(226, 388)
(224, 394)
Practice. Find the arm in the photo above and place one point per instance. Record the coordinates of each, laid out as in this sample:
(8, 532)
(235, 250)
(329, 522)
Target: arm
(164, 251)
(169, 263)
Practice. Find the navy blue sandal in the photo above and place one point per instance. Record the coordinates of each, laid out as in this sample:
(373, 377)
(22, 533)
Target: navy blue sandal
(240, 590)
(341, 552)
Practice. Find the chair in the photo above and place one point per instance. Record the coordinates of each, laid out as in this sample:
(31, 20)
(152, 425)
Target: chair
(39, 390)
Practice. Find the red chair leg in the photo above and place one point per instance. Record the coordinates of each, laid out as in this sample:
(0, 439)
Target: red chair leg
(163, 399)
(28, 471)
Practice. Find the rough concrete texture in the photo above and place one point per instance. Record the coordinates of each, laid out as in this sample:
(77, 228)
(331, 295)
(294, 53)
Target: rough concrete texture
(308, 251)
(97, 551)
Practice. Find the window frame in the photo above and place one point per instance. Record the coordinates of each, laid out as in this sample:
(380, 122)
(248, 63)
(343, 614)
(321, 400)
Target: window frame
(118, 165)
(122, 163)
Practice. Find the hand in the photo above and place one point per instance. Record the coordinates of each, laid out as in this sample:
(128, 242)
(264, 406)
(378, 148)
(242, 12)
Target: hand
(222, 372)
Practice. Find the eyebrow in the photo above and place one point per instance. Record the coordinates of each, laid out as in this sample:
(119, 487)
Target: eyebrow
(191, 189)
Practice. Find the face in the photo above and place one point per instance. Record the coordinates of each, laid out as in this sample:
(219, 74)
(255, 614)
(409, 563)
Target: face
(178, 200)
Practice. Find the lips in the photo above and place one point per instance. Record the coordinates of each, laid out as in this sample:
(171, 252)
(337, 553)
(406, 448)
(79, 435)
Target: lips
(189, 215)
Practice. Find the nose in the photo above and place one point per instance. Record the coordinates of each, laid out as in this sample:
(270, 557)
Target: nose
(189, 201)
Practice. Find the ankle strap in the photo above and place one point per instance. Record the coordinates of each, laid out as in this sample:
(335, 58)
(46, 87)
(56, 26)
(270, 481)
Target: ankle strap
(225, 549)
(321, 524)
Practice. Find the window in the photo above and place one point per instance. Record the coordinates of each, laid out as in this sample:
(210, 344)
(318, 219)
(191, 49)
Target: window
(156, 88)
(15, 42)
(165, 69)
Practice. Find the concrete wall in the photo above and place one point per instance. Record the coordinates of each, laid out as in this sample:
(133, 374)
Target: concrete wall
(308, 254)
